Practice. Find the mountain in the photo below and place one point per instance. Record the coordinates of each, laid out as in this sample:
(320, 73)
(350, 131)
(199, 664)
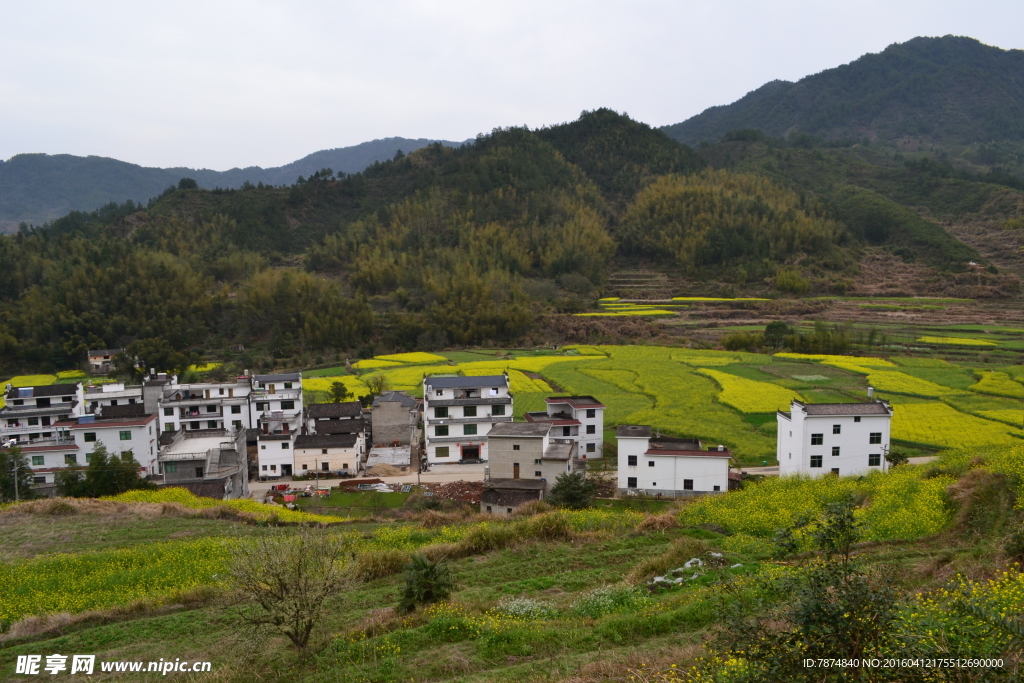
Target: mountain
(36, 188)
(947, 91)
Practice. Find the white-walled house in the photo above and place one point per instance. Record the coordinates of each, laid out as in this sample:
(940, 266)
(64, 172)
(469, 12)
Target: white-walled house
(834, 438)
(325, 453)
(204, 406)
(580, 418)
(667, 466)
(30, 413)
(459, 412)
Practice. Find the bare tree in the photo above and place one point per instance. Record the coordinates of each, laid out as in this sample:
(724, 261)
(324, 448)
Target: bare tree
(286, 581)
(377, 384)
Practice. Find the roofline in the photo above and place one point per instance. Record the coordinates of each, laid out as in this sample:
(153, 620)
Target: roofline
(699, 454)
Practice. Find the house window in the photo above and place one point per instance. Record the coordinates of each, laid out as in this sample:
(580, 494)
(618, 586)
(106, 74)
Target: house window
(591, 448)
(193, 425)
(33, 421)
(305, 467)
(19, 402)
(837, 429)
(211, 424)
(498, 410)
(538, 474)
(441, 452)
(168, 412)
(441, 430)
(273, 468)
(211, 409)
(172, 468)
(875, 437)
(566, 431)
(263, 447)
(220, 392)
(169, 427)
(441, 411)
(263, 406)
(237, 424)
(591, 429)
(687, 484)
(835, 450)
(344, 466)
(39, 480)
(236, 410)
(325, 467)
(875, 460)
(287, 405)
(631, 482)
(265, 468)
(591, 412)
(650, 463)
(469, 430)
(835, 471)
(439, 392)
(515, 447)
(494, 392)
(70, 459)
(631, 460)
(536, 461)
(89, 436)
(856, 418)
(718, 488)
(36, 460)
(469, 411)
(287, 385)
(125, 434)
(323, 451)
(815, 461)
(284, 445)
(199, 472)
(817, 439)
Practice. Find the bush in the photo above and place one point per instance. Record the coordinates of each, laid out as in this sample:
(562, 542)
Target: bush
(790, 282)
(573, 490)
(375, 564)
(426, 582)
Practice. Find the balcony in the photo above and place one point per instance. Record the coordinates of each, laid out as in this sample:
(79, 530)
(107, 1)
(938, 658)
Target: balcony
(200, 415)
(278, 394)
(462, 420)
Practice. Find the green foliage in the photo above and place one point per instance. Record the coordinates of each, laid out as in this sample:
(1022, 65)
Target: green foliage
(426, 582)
(719, 218)
(790, 282)
(572, 490)
(338, 392)
(106, 475)
(15, 473)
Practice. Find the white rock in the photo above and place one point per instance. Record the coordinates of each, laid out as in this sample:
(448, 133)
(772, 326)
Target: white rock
(715, 554)
(695, 575)
(736, 565)
(693, 562)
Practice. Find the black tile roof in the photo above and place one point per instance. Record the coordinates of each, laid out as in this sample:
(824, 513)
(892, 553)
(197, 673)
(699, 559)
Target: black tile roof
(395, 396)
(873, 408)
(284, 377)
(320, 411)
(45, 391)
(340, 426)
(525, 429)
(325, 441)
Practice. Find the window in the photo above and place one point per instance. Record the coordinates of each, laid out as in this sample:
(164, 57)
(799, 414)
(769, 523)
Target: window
(469, 430)
(441, 412)
(273, 468)
(591, 448)
(262, 406)
(837, 429)
(172, 468)
(441, 452)
(125, 434)
(89, 436)
(687, 484)
(875, 460)
(193, 425)
(718, 488)
(515, 447)
(591, 412)
(211, 409)
(265, 468)
(817, 439)
(70, 459)
(856, 418)
(650, 463)
(19, 402)
(631, 460)
(344, 465)
(169, 427)
(236, 410)
(199, 472)
(33, 436)
(441, 430)
(211, 424)
(287, 385)
(488, 508)
(237, 424)
(38, 480)
(287, 405)
(875, 437)
(323, 451)
(36, 460)
(469, 411)
(220, 392)
(33, 421)
(305, 467)
(631, 482)
(591, 429)
(325, 467)
(497, 410)
(835, 450)
(284, 445)
(536, 461)
(835, 471)
(42, 403)
(168, 412)
(815, 461)
(566, 431)
(538, 474)
(263, 447)
(439, 393)
(494, 392)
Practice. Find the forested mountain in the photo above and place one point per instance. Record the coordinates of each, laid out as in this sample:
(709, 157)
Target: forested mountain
(946, 91)
(36, 188)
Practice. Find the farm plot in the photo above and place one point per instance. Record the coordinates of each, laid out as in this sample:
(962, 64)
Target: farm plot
(998, 384)
(937, 424)
(750, 396)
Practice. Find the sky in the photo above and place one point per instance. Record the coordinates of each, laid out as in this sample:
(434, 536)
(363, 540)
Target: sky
(219, 84)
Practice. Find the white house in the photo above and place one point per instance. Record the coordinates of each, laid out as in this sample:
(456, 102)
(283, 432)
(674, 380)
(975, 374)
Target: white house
(203, 406)
(668, 466)
(458, 413)
(111, 394)
(325, 453)
(834, 438)
(580, 418)
(31, 412)
(101, 361)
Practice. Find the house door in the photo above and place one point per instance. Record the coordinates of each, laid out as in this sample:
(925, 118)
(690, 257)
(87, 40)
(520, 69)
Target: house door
(286, 470)
(470, 452)
(515, 471)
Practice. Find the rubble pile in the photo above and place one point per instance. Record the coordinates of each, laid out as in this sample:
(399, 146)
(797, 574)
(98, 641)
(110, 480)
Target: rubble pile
(385, 470)
(468, 491)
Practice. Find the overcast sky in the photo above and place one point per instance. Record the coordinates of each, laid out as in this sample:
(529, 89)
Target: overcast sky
(220, 84)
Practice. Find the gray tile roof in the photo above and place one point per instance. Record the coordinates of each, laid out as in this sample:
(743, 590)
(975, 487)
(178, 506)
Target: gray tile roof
(284, 377)
(520, 429)
(873, 408)
(325, 441)
(44, 391)
(395, 396)
(445, 382)
(319, 411)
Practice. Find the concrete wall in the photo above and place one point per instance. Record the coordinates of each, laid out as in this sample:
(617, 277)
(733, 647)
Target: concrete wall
(503, 456)
(794, 452)
(313, 459)
(390, 422)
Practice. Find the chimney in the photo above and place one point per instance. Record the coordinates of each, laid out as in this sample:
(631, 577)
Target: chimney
(871, 392)
(721, 447)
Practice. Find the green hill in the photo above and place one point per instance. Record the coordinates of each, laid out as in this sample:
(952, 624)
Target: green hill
(949, 90)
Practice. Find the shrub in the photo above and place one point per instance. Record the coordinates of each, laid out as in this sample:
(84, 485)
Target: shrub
(681, 551)
(573, 490)
(375, 564)
(551, 526)
(426, 582)
(790, 282)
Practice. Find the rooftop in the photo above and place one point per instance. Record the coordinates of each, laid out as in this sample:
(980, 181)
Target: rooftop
(515, 484)
(44, 391)
(325, 441)
(446, 382)
(576, 401)
(639, 431)
(560, 449)
(104, 352)
(872, 408)
(90, 422)
(395, 396)
(521, 429)
(353, 426)
(197, 446)
(675, 443)
(398, 456)
(690, 452)
(284, 377)
(319, 411)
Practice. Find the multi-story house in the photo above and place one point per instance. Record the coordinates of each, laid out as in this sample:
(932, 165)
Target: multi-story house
(325, 453)
(209, 463)
(834, 438)
(459, 412)
(111, 394)
(394, 415)
(30, 412)
(101, 361)
(275, 404)
(203, 406)
(668, 466)
(580, 418)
